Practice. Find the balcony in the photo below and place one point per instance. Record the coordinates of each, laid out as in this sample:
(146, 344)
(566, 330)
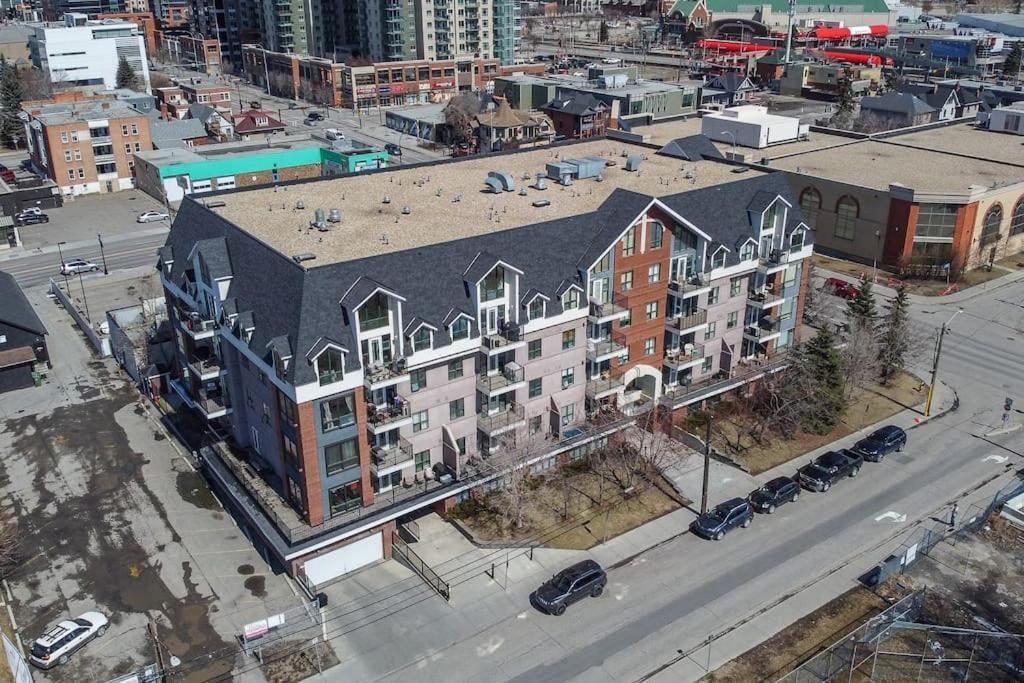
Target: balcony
(764, 300)
(606, 312)
(685, 357)
(605, 349)
(687, 322)
(764, 331)
(774, 262)
(211, 403)
(509, 379)
(387, 460)
(604, 386)
(380, 419)
(689, 286)
(508, 338)
(493, 424)
(205, 368)
(196, 325)
(380, 376)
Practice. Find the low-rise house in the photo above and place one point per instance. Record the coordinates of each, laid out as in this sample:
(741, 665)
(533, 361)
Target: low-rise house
(183, 133)
(896, 110)
(736, 87)
(578, 115)
(506, 128)
(171, 102)
(255, 122)
(218, 124)
(22, 337)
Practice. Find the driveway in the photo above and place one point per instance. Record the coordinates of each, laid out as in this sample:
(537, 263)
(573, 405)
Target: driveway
(115, 519)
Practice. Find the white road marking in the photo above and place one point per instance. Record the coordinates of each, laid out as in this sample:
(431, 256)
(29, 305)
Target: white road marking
(998, 459)
(894, 516)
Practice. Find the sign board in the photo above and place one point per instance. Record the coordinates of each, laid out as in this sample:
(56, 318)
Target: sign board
(258, 629)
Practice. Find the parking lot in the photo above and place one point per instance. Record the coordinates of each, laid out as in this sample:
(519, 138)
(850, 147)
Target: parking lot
(84, 217)
(115, 519)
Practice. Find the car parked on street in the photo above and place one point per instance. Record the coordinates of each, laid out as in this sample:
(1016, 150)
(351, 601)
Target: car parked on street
(76, 266)
(723, 518)
(881, 442)
(774, 494)
(314, 116)
(570, 585)
(829, 468)
(393, 149)
(841, 288)
(152, 216)
(59, 642)
(30, 216)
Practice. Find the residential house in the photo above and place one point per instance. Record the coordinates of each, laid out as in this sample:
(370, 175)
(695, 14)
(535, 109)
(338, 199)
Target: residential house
(217, 123)
(255, 122)
(204, 91)
(184, 133)
(736, 88)
(506, 128)
(171, 102)
(22, 337)
(896, 110)
(365, 370)
(578, 115)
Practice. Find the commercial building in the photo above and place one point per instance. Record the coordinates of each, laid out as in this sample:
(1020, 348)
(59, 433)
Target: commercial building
(82, 52)
(87, 147)
(981, 54)
(388, 342)
(168, 175)
(1008, 119)
(814, 79)
(752, 126)
(22, 337)
(423, 121)
(202, 54)
(143, 19)
(1005, 23)
(736, 18)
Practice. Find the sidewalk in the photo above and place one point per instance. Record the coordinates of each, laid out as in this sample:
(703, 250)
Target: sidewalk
(15, 253)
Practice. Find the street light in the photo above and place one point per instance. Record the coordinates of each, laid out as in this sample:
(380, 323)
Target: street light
(733, 136)
(103, 254)
(935, 365)
(63, 270)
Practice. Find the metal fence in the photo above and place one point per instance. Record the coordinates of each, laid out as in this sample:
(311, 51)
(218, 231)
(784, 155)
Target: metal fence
(267, 636)
(402, 552)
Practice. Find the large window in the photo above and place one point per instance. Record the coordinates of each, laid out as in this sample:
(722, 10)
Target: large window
(374, 312)
(568, 377)
(457, 409)
(571, 299)
(932, 253)
(847, 212)
(568, 339)
(629, 242)
(810, 202)
(533, 349)
(657, 235)
(537, 308)
(936, 220)
(339, 457)
(420, 421)
(345, 497)
(1017, 219)
(990, 227)
(417, 380)
(422, 460)
(536, 387)
(455, 368)
(493, 286)
(336, 413)
(329, 366)
(460, 329)
(421, 339)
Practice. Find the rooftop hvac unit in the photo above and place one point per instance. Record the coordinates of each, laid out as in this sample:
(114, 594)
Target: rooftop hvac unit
(335, 216)
(494, 185)
(588, 167)
(541, 183)
(505, 180)
(560, 171)
(633, 162)
(541, 203)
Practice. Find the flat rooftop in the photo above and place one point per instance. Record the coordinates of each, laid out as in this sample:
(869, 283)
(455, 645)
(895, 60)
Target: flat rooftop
(966, 139)
(667, 131)
(223, 150)
(431, 192)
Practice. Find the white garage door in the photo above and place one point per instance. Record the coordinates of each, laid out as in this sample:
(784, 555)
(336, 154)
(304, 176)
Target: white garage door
(322, 569)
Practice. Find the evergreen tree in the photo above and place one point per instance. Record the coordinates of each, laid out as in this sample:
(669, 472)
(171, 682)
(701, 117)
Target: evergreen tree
(1011, 67)
(126, 76)
(11, 126)
(847, 102)
(861, 308)
(895, 341)
(602, 33)
(822, 367)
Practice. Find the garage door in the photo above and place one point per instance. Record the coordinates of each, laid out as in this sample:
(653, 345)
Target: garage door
(15, 377)
(321, 570)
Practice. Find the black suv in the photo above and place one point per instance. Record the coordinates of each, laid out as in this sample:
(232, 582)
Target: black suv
(722, 518)
(828, 468)
(778, 491)
(314, 116)
(569, 585)
(30, 218)
(881, 443)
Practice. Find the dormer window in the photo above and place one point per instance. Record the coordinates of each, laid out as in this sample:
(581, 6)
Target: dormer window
(281, 366)
(421, 339)
(536, 310)
(330, 366)
(571, 299)
(493, 285)
(770, 217)
(718, 260)
(460, 329)
(374, 313)
(747, 252)
(796, 241)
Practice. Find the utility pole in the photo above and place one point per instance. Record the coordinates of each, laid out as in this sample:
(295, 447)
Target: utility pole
(63, 270)
(789, 31)
(707, 466)
(935, 364)
(103, 254)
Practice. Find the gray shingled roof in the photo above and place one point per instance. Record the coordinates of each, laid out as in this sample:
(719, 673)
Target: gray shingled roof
(174, 133)
(296, 308)
(15, 309)
(898, 103)
(577, 104)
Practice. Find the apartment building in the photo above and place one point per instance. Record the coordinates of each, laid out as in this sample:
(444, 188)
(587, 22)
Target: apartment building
(83, 52)
(202, 54)
(89, 146)
(409, 341)
(174, 101)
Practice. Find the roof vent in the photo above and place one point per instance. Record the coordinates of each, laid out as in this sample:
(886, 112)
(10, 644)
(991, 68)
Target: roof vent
(522, 192)
(305, 256)
(457, 198)
(214, 205)
(318, 221)
(300, 205)
(508, 184)
(406, 210)
(633, 162)
(541, 203)
(335, 216)
(493, 185)
(387, 199)
(541, 182)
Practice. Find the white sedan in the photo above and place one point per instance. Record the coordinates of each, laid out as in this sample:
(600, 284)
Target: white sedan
(152, 216)
(77, 265)
(61, 641)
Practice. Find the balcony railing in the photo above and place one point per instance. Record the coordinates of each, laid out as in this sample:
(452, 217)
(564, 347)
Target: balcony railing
(511, 416)
(379, 416)
(686, 285)
(384, 458)
(195, 323)
(685, 354)
(764, 298)
(507, 335)
(606, 347)
(510, 375)
(775, 257)
(211, 402)
(763, 329)
(606, 309)
(604, 385)
(204, 366)
(376, 374)
(686, 321)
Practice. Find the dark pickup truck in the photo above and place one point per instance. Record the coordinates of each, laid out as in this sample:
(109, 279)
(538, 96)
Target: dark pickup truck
(828, 468)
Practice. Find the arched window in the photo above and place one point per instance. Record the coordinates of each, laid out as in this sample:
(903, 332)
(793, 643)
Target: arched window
(1017, 219)
(990, 226)
(847, 212)
(810, 202)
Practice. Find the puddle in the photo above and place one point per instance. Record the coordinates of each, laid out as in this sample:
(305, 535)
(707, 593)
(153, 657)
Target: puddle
(257, 585)
(246, 569)
(194, 489)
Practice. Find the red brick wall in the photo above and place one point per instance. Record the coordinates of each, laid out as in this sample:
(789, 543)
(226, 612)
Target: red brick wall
(805, 282)
(363, 440)
(309, 455)
(963, 233)
(899, 236)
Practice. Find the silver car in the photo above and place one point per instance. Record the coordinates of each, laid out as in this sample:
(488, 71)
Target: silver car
(77, 265)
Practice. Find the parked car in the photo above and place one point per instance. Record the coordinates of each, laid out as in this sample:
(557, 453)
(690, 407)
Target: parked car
(393, 149)
(76, 266)
(829, 468)
(152, 216)
(59, 642)
(841, 288)
(7, 175)
(570, 585)
(314, 116)
(881, 443)
(334, 134)
(723, 518)
(255, 104)
(611, 60)
(774, 494)
(30, 216)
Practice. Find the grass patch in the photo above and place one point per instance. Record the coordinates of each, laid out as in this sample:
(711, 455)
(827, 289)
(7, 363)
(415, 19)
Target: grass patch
(866, 408)
(801, 640)
(969, 278)
(572, 509)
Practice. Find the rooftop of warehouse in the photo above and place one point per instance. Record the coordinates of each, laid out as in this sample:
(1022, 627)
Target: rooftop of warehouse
(449, 200)
(664, 132)
(968, 140)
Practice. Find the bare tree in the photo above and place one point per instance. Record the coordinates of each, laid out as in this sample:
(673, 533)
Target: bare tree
(10, 541)
(36, 84)
(458, 117)
(643, 454)
(860, 357)
(510, 461)
(159, 80)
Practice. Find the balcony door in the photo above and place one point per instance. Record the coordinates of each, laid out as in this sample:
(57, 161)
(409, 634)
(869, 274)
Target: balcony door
(494, 318)
(766, 246)
(599, 290)
(682, 268)
(377, 351)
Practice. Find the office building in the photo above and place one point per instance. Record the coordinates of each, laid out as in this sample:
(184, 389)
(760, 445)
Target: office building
(84, 52)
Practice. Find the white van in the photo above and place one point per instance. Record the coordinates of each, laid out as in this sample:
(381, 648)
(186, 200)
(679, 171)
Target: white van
(334, 134)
